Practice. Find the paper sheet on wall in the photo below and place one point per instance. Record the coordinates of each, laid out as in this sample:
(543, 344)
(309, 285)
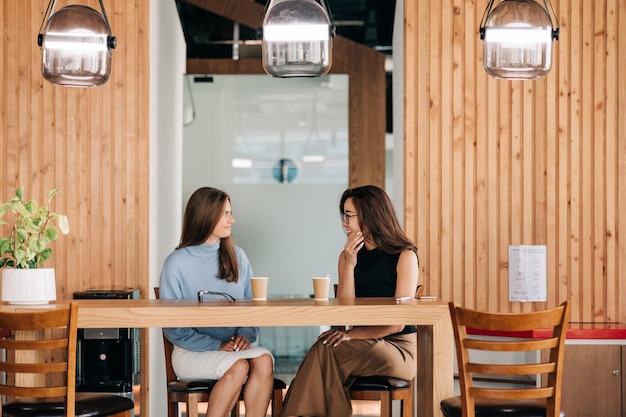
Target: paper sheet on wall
(527, 273)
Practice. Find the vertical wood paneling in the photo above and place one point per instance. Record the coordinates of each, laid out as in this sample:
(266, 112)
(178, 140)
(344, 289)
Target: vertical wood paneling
(91, 143)
(619, 133)
(492, 163)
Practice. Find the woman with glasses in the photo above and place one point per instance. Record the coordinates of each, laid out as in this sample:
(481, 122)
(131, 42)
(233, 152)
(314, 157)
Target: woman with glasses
(378, 260)
(207, 265)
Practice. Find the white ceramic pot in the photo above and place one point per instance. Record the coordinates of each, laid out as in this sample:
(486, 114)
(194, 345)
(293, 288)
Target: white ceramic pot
(28, 286)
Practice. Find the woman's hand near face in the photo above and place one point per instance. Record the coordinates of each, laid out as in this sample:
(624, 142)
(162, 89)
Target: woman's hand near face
(351, 248)
(347, 262)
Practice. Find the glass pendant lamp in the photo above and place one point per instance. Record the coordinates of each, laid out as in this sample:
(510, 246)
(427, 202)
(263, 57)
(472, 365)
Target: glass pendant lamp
(297, 38)
(76, 46)
(517, 37)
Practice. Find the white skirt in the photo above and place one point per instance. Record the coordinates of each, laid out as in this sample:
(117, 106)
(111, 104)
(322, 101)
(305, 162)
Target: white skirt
(211, 364)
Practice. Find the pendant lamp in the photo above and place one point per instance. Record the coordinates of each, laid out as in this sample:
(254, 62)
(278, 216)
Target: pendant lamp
(76, 46)
(517, 39)
(297, 38)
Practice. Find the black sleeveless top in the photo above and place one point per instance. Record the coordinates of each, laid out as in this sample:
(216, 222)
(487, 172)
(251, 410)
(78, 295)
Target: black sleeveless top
(375, 275)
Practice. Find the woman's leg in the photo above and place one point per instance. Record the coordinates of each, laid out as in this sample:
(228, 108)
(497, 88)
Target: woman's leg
(322, 384)
(226, 391)
(258, 389)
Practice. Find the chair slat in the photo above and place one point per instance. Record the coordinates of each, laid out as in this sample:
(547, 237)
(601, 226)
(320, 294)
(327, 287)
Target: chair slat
(512, 394)
(498, 369)
(511, 346)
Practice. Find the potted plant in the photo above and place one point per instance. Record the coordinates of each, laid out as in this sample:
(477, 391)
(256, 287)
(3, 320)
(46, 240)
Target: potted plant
(26, 248)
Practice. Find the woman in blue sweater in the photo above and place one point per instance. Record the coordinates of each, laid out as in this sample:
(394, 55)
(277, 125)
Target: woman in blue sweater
(207, 259)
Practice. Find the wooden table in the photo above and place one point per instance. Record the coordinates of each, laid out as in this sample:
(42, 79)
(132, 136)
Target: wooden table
(435, 338)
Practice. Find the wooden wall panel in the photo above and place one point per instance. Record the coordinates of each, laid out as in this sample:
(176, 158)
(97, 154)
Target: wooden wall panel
(492, 163)
(92, 143)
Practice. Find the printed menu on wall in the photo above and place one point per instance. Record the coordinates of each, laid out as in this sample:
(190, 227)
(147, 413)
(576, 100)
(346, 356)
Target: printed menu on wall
(527, 273)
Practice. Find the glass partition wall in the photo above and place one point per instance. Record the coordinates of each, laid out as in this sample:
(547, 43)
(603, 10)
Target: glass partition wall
(279, 147)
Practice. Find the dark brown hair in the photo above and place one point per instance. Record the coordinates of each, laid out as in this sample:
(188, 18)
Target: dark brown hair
(377, 218)
(204, 210)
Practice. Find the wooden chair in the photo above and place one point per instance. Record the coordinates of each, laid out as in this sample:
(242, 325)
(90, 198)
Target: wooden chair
(385, 389)
(197, 391)
(542, 333)
(40, 366)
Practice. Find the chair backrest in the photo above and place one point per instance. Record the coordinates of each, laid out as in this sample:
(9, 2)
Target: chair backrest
(542, 332)
(170, 376)
(43, 345)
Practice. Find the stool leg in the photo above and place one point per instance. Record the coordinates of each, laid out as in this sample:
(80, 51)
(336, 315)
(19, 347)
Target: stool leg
(386, 405)
(277, 402)
(192, 405)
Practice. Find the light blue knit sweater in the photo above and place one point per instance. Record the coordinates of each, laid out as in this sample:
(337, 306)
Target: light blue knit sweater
(190, 269)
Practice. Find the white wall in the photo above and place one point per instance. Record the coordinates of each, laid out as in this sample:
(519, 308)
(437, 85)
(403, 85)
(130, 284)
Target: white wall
(398, 110)
(167, 65)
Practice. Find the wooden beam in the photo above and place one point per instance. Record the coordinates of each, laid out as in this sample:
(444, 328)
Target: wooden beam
(244, 12)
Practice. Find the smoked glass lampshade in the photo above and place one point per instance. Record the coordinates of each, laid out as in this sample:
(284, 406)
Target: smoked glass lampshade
(517, 37)
(297, 38)
(76, 47)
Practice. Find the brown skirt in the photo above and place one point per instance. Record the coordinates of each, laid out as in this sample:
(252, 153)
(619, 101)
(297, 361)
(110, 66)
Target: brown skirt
(321, 387)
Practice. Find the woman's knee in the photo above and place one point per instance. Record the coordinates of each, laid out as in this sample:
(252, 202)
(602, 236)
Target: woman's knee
(263, 363)
(238, 370)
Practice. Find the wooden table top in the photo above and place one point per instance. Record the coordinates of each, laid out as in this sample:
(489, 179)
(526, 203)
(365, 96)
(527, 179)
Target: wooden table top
(272, 312)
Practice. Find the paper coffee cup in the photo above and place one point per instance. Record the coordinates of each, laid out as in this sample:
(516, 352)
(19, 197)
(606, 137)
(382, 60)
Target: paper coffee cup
(259, 288)
(321, 287)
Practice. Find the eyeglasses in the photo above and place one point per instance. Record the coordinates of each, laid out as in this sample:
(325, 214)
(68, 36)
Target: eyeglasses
(345, 217)
(227, 296)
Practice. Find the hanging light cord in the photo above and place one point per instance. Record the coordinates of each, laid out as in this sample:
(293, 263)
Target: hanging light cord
(483, 21)
(555, 31)
(49, 11)
(112, 40)
(332, 27)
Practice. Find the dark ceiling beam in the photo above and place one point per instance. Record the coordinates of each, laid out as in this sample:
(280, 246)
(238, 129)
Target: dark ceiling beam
(244, 12)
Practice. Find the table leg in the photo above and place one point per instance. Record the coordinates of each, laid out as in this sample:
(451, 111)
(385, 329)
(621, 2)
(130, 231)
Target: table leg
(435, 376)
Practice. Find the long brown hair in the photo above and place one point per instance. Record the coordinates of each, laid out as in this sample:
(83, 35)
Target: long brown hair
(377, 217)
(204, 210)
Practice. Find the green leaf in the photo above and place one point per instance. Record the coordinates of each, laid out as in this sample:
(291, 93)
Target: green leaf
(20, 192)
(52, 193)
(5, 245)
(44, 255)
(22, 234)
(36, 245)
(20, 258)
(51, 233)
